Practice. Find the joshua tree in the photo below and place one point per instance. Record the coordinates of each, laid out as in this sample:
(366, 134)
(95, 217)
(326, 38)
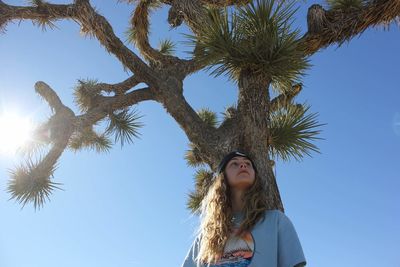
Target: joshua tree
(250, 41)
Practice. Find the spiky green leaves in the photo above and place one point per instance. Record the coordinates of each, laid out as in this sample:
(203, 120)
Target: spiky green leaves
(208, 116)
(203, 181)
(85, 93)
(192, 155)
(256, 37)
(124, 125)
(167, 47)
(346, 4)
(292, 131)
(39, 140)
(31, 183)
(139, 31)
(43, 22)
(35, 2)
(88, 138)
(193, 158)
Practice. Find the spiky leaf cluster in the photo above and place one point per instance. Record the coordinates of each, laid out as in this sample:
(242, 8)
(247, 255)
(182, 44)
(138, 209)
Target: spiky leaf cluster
(42, 22)
(124, 125)
(256, 37)
(229, 112)
(167, 47)
(208, 117)
(35, 2)
(40, 139)
(203, 177)
(345, 4)
(85, 93)
(133, 34)
(291, 131)
(192, 156)
(88, 138)
(203, 180)
(31, 182)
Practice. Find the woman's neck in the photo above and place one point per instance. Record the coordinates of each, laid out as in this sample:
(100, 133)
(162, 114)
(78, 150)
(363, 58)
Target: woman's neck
(237, 200)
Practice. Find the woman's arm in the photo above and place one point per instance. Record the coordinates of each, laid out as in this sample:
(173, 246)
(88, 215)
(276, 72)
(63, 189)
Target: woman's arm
(190, 259)
(290, 252)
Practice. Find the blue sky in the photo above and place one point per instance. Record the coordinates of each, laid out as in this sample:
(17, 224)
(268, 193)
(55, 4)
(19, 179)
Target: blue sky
(127, 207)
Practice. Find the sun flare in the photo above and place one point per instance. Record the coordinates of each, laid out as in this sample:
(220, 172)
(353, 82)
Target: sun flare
(15, 131)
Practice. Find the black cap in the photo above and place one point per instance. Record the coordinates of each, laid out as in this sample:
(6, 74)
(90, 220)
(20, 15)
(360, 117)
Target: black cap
(230, 156)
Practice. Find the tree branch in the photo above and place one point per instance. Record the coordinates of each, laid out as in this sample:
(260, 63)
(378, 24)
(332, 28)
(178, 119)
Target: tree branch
(62, 122)
(199, 133)
(31, 183)
(104, 105)
(101, 28)
(285, 98)
(49, 95)
(338, 26)
(40, 14)
(225, 3)
(91, 23)
(193, 12)
(140, 26)
(121, 87)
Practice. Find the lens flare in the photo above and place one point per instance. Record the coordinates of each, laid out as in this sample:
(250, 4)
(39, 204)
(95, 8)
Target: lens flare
(15, 131)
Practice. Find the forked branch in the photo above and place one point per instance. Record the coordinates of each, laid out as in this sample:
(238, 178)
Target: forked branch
(120, 88)
(285, 98)
(140, 35)
(338, 26)
(32, 182)
(91, 22)
(98, 26)
(105, 105)
(140, 31)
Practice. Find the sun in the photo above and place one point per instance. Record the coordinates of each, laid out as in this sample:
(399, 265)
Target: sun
(15, 131)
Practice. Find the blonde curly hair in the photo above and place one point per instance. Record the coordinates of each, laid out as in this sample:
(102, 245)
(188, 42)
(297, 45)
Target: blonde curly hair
(216, 216)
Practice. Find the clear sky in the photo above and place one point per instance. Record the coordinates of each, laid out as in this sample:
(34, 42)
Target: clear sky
(128, 207)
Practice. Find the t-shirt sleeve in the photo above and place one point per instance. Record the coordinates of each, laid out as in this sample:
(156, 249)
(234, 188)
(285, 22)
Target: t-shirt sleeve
(290, 252)
(190, 259)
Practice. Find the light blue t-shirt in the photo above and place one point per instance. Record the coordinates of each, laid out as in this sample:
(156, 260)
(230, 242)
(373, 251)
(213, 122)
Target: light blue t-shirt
(273, 242)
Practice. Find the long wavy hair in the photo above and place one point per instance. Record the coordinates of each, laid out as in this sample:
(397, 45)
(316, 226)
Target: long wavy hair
(216, 216)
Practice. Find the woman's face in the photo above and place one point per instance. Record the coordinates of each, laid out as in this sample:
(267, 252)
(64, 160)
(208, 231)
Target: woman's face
(240, 173)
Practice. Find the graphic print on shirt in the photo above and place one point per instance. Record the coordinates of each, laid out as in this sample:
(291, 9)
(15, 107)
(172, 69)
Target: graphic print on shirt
(238, 251)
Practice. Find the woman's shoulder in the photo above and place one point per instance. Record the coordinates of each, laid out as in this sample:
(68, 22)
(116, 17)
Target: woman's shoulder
(274, 219)
(275, 216)
(274, 213)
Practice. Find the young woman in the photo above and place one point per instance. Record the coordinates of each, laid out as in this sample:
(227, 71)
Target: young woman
(237, 229)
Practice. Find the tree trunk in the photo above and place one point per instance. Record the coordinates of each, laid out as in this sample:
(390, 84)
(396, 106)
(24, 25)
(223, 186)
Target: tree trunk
(253, 111)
